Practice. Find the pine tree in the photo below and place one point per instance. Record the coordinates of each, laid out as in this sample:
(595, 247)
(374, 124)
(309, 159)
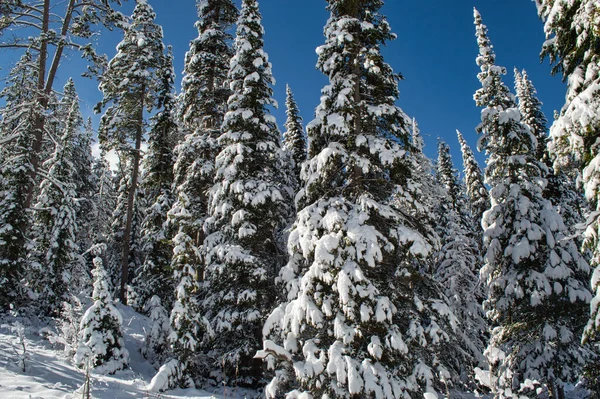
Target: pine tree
(17, 129)
(155, 275)
(247, 209)
(100, 337)
(364, 318)
(537, 297)
(294, 140)
(458, 262)
(60, 269)
(140, 55)
(477, 193)
(573, 47)
(201, 108)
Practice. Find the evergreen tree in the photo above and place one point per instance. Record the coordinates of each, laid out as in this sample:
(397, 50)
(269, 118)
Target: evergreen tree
(364, 318)
(204, 93)
(561, 188)
(85, 184)
(186, 322)
(201, 109)
(573, 47)
(530, 108)
(537, 296)
(458, 262)
(156, 344)
(17, 129)
(56, 258)
(476, 192)
(155, 275)
(294, 140)
(247, 210)
(52, 27)
(104, 199)
(100, 337)
(139, 56)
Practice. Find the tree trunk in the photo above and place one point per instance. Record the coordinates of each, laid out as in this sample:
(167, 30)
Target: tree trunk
(134, 178)
(44, 87)
(38, 130)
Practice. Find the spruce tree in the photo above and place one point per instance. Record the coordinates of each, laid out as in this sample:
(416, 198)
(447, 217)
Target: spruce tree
(17, 130)
(294, 140)
(537, 295)
(248, 208)
(139, 56)
(56, 260)
(573, 47)
(100, 337)
(201, 108)
(155, 275)
(458, 262)
(363, 317)
(561, 189)
(476, 191)
(104, 199)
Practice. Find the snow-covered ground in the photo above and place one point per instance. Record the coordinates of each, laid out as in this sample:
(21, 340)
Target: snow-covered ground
(49, 374)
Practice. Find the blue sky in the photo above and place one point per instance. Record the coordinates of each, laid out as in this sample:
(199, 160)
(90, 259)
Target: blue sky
(435, 51)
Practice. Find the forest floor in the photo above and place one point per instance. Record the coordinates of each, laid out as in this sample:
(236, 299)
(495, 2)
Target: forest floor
(32, 367)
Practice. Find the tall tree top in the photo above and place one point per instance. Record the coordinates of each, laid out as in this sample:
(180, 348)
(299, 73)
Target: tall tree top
(508, 142)
(493, 92)
(530, 108)
(294, 140)
(204, 92)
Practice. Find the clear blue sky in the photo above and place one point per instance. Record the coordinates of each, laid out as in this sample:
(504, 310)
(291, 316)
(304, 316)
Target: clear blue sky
(435, 51)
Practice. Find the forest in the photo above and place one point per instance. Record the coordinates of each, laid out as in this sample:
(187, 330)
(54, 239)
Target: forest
(334, 259)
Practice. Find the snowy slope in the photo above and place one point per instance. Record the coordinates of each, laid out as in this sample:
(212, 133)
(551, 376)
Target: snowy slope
(49, 373)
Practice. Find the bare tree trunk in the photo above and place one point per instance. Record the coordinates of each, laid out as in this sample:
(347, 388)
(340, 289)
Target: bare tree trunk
(560, 391)
(130, 199)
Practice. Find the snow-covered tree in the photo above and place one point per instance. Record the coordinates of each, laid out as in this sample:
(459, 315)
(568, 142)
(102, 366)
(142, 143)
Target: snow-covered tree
(186, 321)
(363, 318)
(202, 105)
(476, 191)
(48, 28)
(573, 47)
(56, 260)
(458, 262)
(140, 55)
(104, 199)
(561, 188)
(155, 275)
(248, 207)
(203, 90)
(536, 278)
(156, 344)
(294, 139)
(85, 183)
(100, 337)
(17, 130)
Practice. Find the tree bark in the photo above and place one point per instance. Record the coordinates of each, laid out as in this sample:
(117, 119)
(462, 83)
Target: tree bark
(130, 199)
(42, 98)
(45, 88)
